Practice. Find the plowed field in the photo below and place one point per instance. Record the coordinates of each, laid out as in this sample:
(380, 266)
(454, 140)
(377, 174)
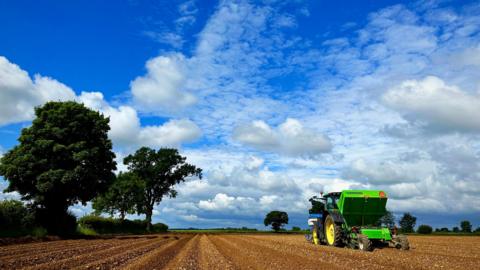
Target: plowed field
(236, 251)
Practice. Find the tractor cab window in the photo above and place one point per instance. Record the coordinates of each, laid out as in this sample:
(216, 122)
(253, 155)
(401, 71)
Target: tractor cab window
(332, 203)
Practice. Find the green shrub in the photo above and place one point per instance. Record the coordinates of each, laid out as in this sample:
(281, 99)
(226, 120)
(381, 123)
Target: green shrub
(98, 224)
(296, 229)
(159, 227)
(63, 224)
(104, 225)
(85, 231)
(38, 232)
(424, 229)
(15, 218)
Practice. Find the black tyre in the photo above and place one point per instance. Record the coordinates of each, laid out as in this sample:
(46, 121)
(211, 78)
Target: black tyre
(333, 232)
(401, 242)
(364, 243)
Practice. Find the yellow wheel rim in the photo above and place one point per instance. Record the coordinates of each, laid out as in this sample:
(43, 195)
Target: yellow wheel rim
(315, 236)
(330, 231)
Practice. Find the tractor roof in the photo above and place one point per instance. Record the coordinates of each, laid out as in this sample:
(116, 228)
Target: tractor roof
(332, 194)
(357, 193)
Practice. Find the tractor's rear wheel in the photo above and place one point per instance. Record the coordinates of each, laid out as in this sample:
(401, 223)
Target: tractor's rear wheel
(333, 232)
(364, 243)
(401, 242)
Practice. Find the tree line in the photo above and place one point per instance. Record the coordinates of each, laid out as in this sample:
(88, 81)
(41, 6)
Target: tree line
(65, 157)
(407, 225)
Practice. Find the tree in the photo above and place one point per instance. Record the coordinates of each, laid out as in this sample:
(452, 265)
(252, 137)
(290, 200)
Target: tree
(477, 230)
(63, 158)
(158, 171)
(444, 229)
(407, 223)
(424, 229)
(455, 230)
(387, 220)
(123, 196)
(466, 226)
(277, 219)
(296, 229)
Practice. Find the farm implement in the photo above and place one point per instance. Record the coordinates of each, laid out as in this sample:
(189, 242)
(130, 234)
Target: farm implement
(351, 218)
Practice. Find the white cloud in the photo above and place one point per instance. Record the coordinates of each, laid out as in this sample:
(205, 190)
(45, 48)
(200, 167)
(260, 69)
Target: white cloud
(127, 131)
(171, 33)
(290, 138)
(391, 172)
(172, 133)
(467, 57)
(285, 20)
(51, 89)
(220, 202)
(173, 39)
(440, 106)
(187, 11)
(19, 94)
(162, 90)
(268, 199)
(245, 67)
(254, 163)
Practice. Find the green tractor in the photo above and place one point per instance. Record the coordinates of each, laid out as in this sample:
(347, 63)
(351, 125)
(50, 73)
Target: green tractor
(351, 218)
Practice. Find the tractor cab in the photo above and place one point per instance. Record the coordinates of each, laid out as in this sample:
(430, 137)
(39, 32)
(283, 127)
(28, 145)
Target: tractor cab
(331, 200)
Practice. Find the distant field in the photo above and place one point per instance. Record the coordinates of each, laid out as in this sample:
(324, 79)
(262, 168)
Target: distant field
(236, 251)
(233, 231)
(447, 234)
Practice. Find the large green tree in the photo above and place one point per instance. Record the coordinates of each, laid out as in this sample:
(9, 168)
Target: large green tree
(159, 171)
(466, 226)
(276, 219)
(407, 223)
(63, 158)
(122, 197)
(387, 220)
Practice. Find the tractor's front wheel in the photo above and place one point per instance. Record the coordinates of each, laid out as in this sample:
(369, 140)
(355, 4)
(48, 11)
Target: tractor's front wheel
(333, 232)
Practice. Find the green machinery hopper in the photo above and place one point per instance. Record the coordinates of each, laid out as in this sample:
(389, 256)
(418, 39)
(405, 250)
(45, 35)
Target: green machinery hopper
(363, 209)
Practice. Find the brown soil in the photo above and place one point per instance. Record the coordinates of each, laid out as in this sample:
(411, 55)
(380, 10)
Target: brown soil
(237, 251)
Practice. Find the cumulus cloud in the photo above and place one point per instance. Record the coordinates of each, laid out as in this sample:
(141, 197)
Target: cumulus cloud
(172, 133)
(290, 138)
(126, 129)
(221, 201)
(239, 205)
(19, 94)
(391, 172)
(439, 106)
(350, 88)
(162, 89)
(440, 176)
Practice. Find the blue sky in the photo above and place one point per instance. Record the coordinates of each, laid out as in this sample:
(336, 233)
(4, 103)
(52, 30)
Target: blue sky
(275, 100)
